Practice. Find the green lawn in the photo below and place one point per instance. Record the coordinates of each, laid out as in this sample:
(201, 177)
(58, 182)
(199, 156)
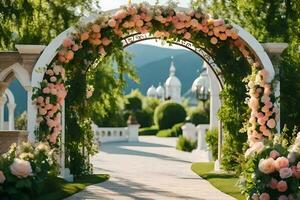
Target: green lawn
(226, 183)
(56, 188)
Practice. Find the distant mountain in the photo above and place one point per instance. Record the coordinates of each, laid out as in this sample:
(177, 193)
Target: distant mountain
(153, 65)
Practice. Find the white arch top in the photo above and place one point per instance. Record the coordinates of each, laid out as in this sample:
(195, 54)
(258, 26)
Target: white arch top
(20, 73)
(10, 96)
(50, 51)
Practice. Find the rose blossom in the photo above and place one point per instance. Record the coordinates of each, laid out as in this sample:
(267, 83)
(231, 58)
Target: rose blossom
(271, 123)
(266, 165)
(274, 154)
(20, 168)
(285, 173)
(283, 197)
(282, 186)
(273, 183)
(281, 162)
(264, 196)
(2, 177)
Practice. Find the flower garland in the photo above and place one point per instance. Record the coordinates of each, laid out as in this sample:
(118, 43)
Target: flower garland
(264, 114)
(162, 22)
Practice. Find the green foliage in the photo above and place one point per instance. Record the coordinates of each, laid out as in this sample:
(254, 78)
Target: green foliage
(211, 139)
(21, 122)
(38, 22)
(56, 188)
(184, 144)
(168, 114)
(175, 131)
(148, 131)
(133, 103)
(225, 182)
(144, 117)
(199, 116)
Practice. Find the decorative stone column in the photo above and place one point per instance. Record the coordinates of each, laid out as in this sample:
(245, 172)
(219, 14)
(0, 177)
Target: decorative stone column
(215, 104)
(133, 129)
(189, 131)
(31, 115)
(201, 153)
(274, 51)
(11, 116)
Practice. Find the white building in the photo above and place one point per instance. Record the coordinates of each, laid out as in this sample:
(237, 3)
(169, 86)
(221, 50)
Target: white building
(172, 89)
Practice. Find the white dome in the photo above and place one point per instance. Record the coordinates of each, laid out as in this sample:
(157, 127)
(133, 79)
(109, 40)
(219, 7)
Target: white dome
(160, 92)
(173, 81)
(151, 92)
(202, 80)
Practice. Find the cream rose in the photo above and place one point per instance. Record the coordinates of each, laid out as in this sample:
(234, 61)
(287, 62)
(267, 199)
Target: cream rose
(21, 168)
(266, 165)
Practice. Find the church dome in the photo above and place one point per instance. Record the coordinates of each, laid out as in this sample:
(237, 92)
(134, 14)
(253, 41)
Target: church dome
(151, 92)
(160, 91)
(172, 81)
(202, 80)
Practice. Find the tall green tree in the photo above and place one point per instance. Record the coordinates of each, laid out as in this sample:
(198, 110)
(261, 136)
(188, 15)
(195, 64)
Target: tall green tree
(39, 21)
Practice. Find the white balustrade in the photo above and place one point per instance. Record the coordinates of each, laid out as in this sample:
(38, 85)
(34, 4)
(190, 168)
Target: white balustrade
(110, 134)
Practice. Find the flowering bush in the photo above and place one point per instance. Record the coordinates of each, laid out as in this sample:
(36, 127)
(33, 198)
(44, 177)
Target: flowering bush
(272, 171)
(24, 168)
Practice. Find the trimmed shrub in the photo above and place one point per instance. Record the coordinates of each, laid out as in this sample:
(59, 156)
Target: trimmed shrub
(199, 116)
(165, 133)
(183, 144)
(148, 131)
(175, 131)
(211, 139)
(168, 114)
(144, 117)
(133, 103)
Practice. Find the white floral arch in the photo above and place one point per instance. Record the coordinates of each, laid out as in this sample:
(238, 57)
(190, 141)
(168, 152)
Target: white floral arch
(51, 50)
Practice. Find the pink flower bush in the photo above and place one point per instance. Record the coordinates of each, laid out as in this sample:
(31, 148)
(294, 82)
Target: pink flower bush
(21, 168)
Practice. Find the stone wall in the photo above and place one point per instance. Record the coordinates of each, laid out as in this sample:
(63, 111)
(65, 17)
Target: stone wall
(7, 138)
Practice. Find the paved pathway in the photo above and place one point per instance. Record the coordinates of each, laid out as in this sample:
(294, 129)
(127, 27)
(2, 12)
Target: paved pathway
(150, 169)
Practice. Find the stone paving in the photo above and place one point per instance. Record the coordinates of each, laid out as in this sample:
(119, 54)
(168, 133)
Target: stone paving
(150, 169)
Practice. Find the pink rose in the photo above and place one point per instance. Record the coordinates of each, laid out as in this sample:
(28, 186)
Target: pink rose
(264, 196)
(106, 41)
(95, 28)
(283, 197)
(271, 123)
(2, 177)
(46, 90)
(42, 111)
(281, 162)
(67, 42)
(187, 36)
(285, 173)
(282, 186)
(20, 168)
(112, 23)
(274, 154)
(53, 79)
(84, 36)
(40, 100)
(266, 165)
(273, 184)
(69, 55)
(75, 47)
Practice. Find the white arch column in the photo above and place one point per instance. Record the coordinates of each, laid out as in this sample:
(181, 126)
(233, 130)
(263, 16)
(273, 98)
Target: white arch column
(11, 116)
(2, 103)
